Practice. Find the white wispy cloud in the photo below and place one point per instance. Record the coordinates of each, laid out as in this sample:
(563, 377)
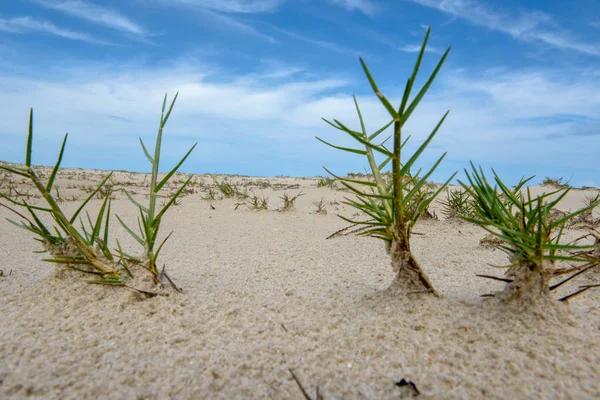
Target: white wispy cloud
(232, 6)
(94, 13)
(529, 26)
(392, 43)
(235, 24)
(217, 11)
(321, 43)
(367, 7)
(499, 117)
(24, 25)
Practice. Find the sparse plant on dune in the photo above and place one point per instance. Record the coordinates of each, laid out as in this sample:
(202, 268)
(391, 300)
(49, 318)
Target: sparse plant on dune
(458, 203)
(530, 238)
(555, 182)
(586, 219)
(289, 202)
(150, 217)
(211, 194)
(392, 210)
(86, 249)
(258, 203)
(229, 190)
(326, 182)
(321, 206)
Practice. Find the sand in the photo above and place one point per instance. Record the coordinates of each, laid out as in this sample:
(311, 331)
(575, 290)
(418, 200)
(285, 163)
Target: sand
(265, 292)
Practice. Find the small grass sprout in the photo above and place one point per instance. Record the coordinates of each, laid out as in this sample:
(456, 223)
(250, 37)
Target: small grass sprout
(555, 182)
(212, 194)
(150, 217)
(321, 207)
(289, 201)
(531, 239)
(586, 219)
(393, 209)
(258, 203)
(458, 203)
(326, 182)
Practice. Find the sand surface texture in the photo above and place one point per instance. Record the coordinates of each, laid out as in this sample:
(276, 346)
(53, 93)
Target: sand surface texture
(265, 292)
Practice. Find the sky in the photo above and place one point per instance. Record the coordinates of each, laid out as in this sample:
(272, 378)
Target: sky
(255, 77)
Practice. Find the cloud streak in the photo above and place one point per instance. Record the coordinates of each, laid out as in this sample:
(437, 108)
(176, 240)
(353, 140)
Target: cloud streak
(320, 43)
(93, 13)
(528, 26)
(232, 6)
(367, 7)
(23, 25)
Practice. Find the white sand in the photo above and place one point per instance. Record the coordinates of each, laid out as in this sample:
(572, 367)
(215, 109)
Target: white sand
(264, 291)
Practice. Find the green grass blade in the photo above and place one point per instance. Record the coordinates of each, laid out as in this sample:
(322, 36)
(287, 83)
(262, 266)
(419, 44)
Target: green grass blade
(356, 151)
(148, 156)
(90, 197)
(130, 231)
(99, 219)
(406, 167)
(380, 130)
(166, 118)
(381, 97)
(173, 198)
(28, 150)
(413, 77)
(15, 171)
(162, 244)
(424, 89)
(55, 170)
(135, 202)
(170, 174)
(359, 182)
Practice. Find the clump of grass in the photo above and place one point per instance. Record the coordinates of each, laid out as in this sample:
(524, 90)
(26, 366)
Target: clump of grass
(258, 203)
(83, 249)
(530, 238)
(86, 249)
(321, 206)
(392, 210)
(458, 203)
(228, 190)
(289, 201)
(151, 217)
(212, 194)
(326, 182)
(586, 219)
(555, 182)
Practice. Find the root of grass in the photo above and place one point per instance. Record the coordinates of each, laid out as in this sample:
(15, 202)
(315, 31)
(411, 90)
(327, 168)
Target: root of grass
(410, 278)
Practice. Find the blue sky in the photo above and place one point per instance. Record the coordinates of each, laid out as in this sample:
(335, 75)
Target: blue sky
(522, 82)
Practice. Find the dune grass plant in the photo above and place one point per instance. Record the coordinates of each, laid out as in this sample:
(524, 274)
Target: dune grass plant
(392, 210)
(79, 247)
(289, 202)
(82, 243)
(531, 239)
(457, 203)
(150, 217)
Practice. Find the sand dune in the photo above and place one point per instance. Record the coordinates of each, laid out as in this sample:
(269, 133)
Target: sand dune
(265, 291)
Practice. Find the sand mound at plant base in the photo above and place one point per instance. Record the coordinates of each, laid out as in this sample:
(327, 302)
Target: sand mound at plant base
(265, 292)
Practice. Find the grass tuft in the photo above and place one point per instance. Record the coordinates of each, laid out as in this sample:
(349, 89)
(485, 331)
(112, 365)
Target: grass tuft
(458, 203)
(258, 203)
(81, 242)
(555, 182)
(289, 202)
(321, 206)
(393, 205)
(531, 239)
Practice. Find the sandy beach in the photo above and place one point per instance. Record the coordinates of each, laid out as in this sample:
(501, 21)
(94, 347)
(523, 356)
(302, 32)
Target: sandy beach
(265, 291)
